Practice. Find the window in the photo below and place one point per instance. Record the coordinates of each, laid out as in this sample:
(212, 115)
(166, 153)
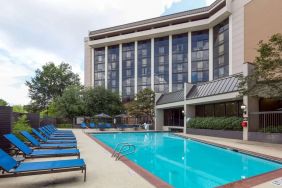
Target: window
(114, 74)
(179, 77)
(161, 60)
(144, 71)
(209, 110)
(128, 64)
(113, 83)
(114, 66)
(221, 48)
(144, 52)
(161, 50)
(128, 73)
(161, 69)
(144, 62)
(100, 58)
(144, 80)
(128, 55)
(179, 68)
(161, 78)
(127, 90)
(179, 60)
(232, 109)
(219, 110)
(200, 56)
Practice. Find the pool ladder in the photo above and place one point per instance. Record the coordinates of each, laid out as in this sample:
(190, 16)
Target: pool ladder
(123, 149)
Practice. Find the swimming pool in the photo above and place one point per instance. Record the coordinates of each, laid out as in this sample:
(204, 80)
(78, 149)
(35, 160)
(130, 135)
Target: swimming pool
(187, 163)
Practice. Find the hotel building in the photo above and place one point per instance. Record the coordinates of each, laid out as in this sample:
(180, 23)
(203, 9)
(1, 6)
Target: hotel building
(190, 59)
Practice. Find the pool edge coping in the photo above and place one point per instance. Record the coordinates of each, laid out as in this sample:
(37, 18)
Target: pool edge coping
(148, 176)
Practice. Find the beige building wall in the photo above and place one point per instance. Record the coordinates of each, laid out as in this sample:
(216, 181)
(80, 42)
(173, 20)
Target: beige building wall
(263, 18)
(237, 26)
(87, 64)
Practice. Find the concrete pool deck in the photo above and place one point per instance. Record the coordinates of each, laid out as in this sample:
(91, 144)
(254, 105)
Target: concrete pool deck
(104, 171)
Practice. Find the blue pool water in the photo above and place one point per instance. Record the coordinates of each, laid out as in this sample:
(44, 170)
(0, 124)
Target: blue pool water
(188, 163)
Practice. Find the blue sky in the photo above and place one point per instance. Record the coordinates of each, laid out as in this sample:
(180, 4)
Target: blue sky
(35, 32)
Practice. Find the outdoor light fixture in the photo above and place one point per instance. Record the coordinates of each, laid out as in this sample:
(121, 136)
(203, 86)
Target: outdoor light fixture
(243, 106)
(182, 111)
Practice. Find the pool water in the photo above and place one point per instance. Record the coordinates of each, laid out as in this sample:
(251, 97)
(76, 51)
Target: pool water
(187, 163)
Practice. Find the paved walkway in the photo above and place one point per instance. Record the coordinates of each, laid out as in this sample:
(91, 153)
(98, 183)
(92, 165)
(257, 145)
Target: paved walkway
(102, 171)
(274, 150)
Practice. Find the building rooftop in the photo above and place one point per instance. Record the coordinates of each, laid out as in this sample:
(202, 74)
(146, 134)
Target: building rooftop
(162, 21)
(215, 87)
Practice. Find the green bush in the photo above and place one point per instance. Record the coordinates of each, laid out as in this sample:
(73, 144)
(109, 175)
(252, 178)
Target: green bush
(21, 125)
(66, 126)
(217, 123)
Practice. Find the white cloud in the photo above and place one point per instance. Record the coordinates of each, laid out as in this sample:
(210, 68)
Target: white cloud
(35, 32)
(208, 2)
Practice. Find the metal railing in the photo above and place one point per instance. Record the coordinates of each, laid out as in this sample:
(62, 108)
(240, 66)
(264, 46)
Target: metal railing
(270, 121)
(123, 149)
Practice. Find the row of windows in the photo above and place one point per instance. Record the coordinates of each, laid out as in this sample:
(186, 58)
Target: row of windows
(199, 61)
(220, 109)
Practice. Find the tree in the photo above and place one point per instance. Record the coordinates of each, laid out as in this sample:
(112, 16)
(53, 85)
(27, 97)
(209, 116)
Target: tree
(3, 103)
(21, 124)
(266, 78)
(49, 83)
(100, 100)
(70, 104)
(144, 105)
(19, 109)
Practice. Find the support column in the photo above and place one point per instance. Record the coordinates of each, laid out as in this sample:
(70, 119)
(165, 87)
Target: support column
(152, 64)
(120, 69)
(170, 63)
(211, 54)
(92, 67)
(189, 112)
(106, 67)
(189, 57)
(230, 45)
(159, 119)
(135, 66)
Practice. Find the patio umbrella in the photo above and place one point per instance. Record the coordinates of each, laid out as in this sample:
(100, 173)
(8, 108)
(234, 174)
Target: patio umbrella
(102, 115)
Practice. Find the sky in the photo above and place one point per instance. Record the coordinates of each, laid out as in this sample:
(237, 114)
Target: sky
(33, 33)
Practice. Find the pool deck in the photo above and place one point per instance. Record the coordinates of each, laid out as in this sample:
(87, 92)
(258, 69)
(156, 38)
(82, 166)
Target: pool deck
(104, 171)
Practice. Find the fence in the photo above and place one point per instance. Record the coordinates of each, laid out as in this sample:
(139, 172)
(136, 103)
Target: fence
(5, 126)
(270, 121)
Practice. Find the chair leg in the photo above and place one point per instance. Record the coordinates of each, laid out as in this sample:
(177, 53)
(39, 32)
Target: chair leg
(85, 174)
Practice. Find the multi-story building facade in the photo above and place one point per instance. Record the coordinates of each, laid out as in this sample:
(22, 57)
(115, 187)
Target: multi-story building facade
(190, 58)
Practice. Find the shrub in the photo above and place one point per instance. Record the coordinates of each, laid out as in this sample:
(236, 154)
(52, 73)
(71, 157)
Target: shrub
(217, 123)
(277, 129)
(66, 125)
(21, 125)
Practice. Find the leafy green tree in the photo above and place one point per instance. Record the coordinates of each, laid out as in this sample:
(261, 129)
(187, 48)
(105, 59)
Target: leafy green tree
(70, 104)
(21, 124)
(3, 103)
(100, 100)
(19, 108)
(49, 83)
(266, 78)
(144, 104)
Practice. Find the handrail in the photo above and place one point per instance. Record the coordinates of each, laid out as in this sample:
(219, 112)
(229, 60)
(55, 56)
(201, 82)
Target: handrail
(116, 148)
(124, 150)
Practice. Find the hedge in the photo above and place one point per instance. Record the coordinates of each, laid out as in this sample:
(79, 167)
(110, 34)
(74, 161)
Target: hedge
(217, 123)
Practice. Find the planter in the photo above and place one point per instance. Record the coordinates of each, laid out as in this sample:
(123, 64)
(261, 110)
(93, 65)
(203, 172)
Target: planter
(266, 137)
(216, 133)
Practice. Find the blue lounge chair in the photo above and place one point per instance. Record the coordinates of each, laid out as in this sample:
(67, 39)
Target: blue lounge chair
(108, 125)
(83, 125)
(51, 133)
(14, 168)
(55, 137)
(52, 127)
(54, 131)
(46, 141)
(30, 153)
(92, 125)
(37, 144)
